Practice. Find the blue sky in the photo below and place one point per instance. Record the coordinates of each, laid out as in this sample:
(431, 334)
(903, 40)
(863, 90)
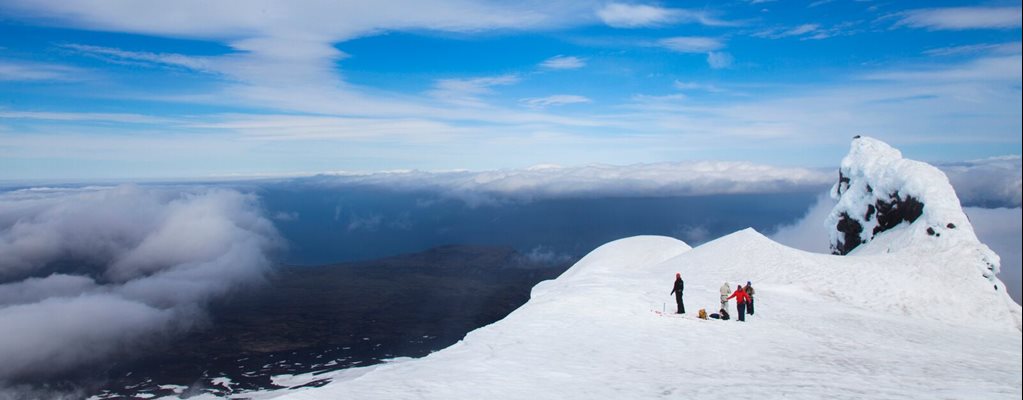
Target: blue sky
(102, 89)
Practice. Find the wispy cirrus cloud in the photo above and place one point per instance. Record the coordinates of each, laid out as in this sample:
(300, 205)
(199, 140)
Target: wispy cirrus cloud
(719, 60)
(696, 86)
(278, 127)
(691, 44)
(73, 116)
(468, 91)
(120, 56)
(961, 18)
(971, 49)
(994, 68)
(622, 15)
(34, 71)
(788, 32)
(555, 100)
(284, 58)
(563, 62)
(808, 31)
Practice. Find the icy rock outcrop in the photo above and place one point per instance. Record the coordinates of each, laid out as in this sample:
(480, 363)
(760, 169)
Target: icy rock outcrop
(909, 203)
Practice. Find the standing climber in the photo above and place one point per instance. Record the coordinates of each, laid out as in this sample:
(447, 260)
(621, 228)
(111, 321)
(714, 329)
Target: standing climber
(749, 292)
(741, 298)
(726, 290)
(677, 291)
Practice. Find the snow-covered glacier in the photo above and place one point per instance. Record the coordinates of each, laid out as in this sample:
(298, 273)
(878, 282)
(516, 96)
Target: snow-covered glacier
(913, 311)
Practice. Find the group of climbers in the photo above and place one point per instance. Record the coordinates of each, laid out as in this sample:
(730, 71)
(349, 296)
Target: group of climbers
(743, 296)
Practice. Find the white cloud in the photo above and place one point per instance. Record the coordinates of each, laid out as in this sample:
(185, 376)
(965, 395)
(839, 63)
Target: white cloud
(971, 49)
(1001, 230)
(620, 15)
(960, 18)
(809, 31)
(634, 16)
(994, 68)
(312, 127)
(937, 96)
(555, 100)
(121, 267)
(691, 44)
(563, 62)
(32, 71)
(719, 60)
(145, 58)
(75, 116)
(789, 32)
(696, 86)
(284, 57)
(810, 232)
(664, 179)
(467, 91)
(802, 29)
(320, 21)
(993, 182)
(699, 44)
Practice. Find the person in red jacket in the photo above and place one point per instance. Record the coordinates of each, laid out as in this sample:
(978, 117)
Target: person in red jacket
(740, 301)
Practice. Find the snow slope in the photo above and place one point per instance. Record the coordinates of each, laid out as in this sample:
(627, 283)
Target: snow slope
(906, 316)
(825, 326)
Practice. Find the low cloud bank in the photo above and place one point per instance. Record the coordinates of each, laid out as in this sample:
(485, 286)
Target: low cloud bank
(91, 273)
(989, 183)
(1001, 229)
(549, 181)
(810, 232)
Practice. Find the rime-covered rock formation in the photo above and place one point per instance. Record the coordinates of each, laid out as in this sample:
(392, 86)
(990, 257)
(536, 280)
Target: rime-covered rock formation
(910, 203)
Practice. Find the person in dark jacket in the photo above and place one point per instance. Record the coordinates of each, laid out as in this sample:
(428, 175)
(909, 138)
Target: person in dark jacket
(741, 298)
(677, 291)
(749, 292)
(722, 314)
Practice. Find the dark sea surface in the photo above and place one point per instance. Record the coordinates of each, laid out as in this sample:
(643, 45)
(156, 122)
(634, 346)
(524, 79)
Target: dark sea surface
(361, 223)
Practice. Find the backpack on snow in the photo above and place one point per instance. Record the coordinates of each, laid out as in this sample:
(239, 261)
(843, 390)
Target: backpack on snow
(702, 314)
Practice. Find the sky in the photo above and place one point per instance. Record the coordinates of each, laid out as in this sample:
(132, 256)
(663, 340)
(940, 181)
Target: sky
(111, 89)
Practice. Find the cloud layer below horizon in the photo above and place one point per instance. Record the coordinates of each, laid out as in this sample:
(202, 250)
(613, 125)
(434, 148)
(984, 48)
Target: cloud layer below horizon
(91, 273)
(983, 183)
